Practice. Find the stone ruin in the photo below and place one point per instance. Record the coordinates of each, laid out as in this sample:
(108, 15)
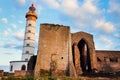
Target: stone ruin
(62, 53)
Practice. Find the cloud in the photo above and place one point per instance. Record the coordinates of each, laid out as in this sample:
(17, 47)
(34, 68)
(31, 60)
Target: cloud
(38, 8)
(90, 7)
(14, 26)
(114, 6)
(21, 2)
(107, 42)
(13, 45)
(82, 14)
(4, 20)
(117, 35)
(52, 3)
(20, 22)
(19, 35)
(108, 27)
(7, 32)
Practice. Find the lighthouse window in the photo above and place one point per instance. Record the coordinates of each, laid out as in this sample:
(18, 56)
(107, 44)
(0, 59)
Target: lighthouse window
(61, 57)
(27, 52)
(28, 37)
(27, 44)
(26, 59)
(29, 24)
(29, 31)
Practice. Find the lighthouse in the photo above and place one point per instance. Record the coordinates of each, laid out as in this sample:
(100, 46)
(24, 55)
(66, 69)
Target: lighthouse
(29, 42)
(29, 38)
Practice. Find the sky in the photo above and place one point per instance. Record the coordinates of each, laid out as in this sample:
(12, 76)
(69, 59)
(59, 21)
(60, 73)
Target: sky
(101, 18)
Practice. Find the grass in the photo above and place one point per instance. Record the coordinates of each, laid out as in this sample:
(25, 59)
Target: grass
(54, 78)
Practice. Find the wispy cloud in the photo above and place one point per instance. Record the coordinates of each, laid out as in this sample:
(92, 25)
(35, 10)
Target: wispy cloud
(117, 35)
(52, 3)
(114, 6)
(82, 14)
(4, 20)
(7, 32)
(21, 2)
(19, 35)
(107, 27)
(107, 42)
(13, 45)
(113, 10)
(13, 25)
(20, 22)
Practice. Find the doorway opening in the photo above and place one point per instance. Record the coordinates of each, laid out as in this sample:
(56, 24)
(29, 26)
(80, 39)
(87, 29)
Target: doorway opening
(23, 67)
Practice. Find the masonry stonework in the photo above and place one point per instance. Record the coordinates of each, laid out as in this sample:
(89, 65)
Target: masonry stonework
(108, 61)
(84, 57)
(1, 72)
(20, 73)
(52, 58)
(61, 53)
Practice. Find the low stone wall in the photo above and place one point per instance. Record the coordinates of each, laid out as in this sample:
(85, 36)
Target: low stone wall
(1, 72)
(108, 61)
(19, 73)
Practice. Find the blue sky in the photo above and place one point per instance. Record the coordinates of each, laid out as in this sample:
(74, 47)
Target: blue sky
(101, 18)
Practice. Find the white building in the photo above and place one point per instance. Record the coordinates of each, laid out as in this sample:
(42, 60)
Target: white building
(29, 41)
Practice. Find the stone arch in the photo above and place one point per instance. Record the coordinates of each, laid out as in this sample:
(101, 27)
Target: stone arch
(23, 67)
(83, 64)
(84, 53)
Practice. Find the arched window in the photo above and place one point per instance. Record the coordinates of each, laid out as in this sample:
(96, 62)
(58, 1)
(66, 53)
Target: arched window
(11, 68)
(23, 67)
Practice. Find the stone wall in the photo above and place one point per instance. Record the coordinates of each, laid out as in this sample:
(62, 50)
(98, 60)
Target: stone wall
(108, 61)
(19, 73)
(52, 58)
(1, 72)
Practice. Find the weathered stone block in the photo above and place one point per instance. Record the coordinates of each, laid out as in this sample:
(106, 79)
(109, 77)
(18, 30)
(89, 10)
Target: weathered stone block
(1, 72)
(19, 73)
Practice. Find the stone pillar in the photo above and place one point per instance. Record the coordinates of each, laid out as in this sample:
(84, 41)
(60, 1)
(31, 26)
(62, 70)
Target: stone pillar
(93, 58)
(72, 70)
(77, 59)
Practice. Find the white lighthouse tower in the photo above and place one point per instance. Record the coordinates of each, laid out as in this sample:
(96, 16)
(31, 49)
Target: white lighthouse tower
(29, 41)
(29, 38)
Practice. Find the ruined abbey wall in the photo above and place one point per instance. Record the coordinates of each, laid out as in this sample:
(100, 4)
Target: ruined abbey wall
(108, 61)
(83, 50)
(61, 53)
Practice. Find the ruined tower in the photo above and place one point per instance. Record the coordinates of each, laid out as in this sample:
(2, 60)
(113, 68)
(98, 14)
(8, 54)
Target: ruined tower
(29, 38)
(53, 51)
